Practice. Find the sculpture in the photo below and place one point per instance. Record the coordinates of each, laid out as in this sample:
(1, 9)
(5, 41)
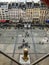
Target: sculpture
(25, 56)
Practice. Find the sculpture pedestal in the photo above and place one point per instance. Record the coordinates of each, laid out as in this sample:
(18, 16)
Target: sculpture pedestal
(24, 62)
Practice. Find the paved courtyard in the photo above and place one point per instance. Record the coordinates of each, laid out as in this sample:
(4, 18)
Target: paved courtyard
(12, 39)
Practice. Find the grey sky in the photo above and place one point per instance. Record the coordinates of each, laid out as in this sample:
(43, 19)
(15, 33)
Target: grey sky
(18, 0)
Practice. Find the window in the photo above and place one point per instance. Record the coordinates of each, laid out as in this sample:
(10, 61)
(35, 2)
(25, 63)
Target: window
(16, 4)
(13, 4)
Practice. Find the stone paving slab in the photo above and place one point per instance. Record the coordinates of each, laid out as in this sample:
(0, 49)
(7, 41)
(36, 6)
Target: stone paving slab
(7, 40)
(31, 49)
(7, 48)
(12, 36)
(27, 39)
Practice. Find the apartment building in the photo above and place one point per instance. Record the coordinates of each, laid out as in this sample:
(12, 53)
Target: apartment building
(28, 12)
(47, 14)
(16, 11)
(36, 13)
(43, 10)
(4, 10)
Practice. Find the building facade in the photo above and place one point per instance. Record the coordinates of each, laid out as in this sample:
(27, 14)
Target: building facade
(28, 12)
(4, 10)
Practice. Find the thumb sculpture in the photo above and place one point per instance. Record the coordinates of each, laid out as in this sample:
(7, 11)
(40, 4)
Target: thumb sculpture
(25, 56)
